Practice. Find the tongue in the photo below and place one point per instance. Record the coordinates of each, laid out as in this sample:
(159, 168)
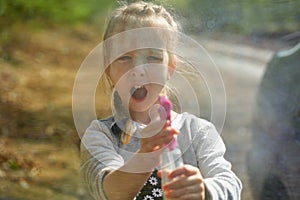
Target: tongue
(139, 93)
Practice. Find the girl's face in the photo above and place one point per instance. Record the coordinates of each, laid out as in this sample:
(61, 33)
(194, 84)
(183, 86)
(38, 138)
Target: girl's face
(139, 76)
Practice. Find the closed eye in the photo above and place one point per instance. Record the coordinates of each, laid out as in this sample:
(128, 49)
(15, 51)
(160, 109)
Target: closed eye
(154, 59)
(124, 58)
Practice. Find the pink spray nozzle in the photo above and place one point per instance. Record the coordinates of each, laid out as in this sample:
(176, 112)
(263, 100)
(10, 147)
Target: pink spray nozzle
(167, 105)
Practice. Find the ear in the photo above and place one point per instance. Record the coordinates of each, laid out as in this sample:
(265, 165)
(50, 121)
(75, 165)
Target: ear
(171, 66)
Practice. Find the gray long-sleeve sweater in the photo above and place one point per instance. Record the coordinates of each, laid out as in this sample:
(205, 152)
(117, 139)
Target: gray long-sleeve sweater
(198, 140)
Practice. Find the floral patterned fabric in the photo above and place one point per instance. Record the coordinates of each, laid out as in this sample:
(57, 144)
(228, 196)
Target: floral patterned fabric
(152, 189)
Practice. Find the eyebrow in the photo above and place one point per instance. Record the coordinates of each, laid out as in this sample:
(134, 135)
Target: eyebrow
(155, 51)
(145, 52)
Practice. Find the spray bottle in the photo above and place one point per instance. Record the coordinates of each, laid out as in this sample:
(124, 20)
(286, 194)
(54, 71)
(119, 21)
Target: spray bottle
(171, 157)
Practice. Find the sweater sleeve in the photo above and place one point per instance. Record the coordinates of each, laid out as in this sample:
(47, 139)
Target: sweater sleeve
(98, 157)
(220, 181)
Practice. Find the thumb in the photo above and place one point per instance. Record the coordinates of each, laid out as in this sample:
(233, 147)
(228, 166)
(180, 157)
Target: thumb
(159, 173)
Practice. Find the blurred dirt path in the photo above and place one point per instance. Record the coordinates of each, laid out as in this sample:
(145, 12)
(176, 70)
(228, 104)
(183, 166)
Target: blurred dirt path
(242, 67)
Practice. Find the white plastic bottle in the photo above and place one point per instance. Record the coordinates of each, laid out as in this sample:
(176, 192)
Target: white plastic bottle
(171, 159)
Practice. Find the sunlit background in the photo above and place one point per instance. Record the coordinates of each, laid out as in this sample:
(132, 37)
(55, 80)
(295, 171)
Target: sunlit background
(43, 43)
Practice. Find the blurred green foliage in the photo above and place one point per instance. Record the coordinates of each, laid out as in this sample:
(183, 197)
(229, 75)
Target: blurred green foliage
(241, 16)
(19, 16)
(49, 12)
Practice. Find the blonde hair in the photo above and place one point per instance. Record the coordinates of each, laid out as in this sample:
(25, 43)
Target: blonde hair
(136, 15)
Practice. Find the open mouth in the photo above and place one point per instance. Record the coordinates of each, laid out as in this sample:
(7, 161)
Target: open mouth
(138, 92)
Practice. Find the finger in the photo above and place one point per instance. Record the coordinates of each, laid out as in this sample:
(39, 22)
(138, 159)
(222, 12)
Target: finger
(152, 129)
(182, 182)
(193, 191)
(190, 196)
(186, 170)
(168, 123)
(153, 145)
(168, 134)
(158, 127)
(165, 140)
(159, 173)
(157, 142)
(182, 192)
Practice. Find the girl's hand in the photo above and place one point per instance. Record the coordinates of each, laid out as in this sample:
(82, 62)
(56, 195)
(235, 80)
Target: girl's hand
(186, 182)
(156, 135)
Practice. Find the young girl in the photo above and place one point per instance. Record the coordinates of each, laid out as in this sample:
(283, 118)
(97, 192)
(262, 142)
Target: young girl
(121, 154)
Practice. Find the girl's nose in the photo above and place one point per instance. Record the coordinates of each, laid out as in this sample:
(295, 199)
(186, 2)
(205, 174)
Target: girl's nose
(138, 72)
